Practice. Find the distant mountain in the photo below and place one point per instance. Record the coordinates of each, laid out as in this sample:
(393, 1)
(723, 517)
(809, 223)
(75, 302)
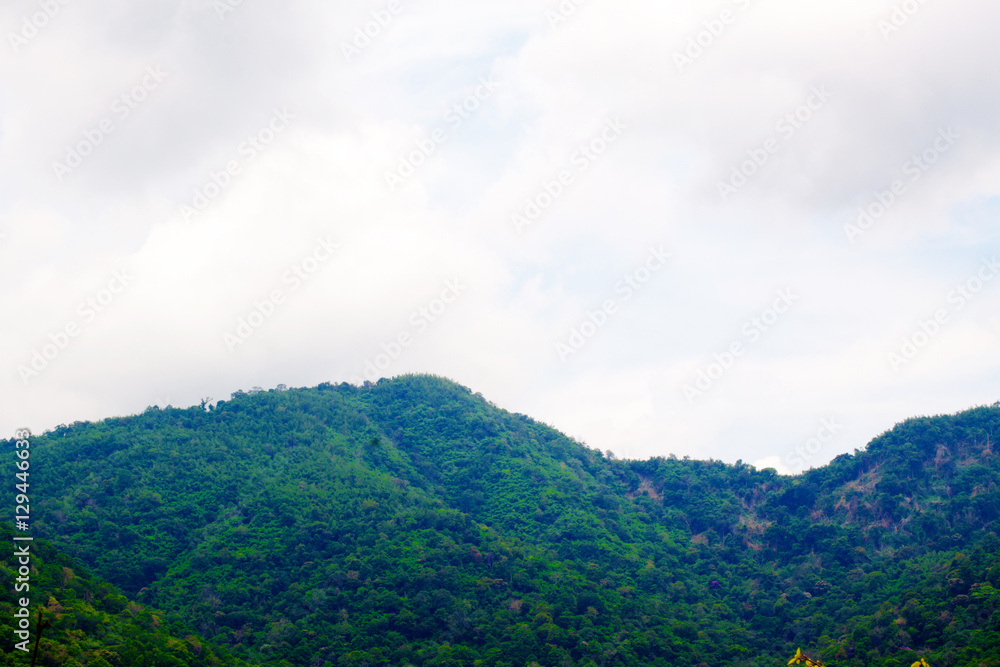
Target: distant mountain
(412, 522)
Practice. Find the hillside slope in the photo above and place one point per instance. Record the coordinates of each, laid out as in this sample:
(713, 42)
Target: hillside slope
(413, 522)
(92, 623)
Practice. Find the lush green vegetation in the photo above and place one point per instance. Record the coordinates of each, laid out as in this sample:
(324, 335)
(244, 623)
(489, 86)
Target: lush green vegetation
(412, 522)
(93, 623)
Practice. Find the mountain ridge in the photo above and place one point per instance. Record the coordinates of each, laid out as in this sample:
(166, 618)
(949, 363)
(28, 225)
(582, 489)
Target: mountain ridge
(304, 524)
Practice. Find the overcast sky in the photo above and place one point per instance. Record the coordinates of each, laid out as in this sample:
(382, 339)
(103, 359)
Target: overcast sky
(748, 229)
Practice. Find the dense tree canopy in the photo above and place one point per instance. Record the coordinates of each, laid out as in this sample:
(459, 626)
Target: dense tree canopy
(412, 522)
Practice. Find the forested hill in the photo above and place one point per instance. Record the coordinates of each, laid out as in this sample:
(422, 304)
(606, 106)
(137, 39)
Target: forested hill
(412, 522)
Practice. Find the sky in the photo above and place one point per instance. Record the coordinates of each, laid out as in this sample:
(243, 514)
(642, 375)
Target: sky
(757, 230)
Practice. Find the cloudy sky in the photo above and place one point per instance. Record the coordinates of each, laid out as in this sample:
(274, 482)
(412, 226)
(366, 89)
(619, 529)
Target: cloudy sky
(747, 229)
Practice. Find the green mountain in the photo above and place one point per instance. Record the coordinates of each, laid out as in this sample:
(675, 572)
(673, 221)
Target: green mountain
(412, 522)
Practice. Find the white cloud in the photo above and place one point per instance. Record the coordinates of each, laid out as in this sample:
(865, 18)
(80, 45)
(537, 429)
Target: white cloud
(655, 184)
